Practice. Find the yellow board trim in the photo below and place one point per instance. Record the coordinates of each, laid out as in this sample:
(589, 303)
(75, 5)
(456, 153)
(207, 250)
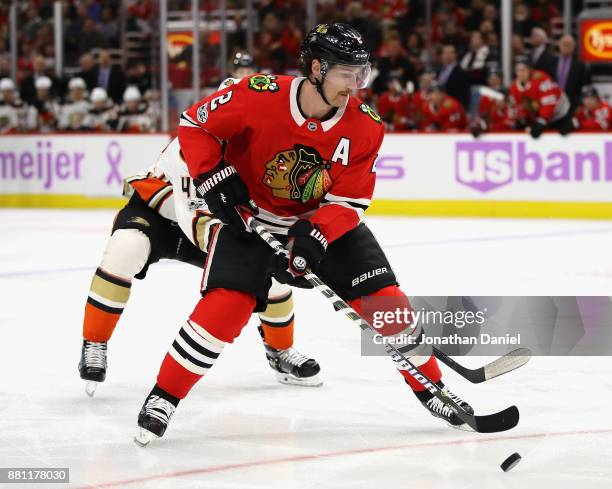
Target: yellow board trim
(440, 208)
(492, 208)
(61, 201)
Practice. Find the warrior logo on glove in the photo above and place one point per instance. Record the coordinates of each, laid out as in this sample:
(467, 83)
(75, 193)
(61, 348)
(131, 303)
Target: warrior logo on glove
(299, 263)
(298, 174)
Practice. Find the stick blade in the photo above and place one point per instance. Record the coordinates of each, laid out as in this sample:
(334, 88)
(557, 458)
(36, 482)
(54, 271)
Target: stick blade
(494, 423)
(511, 361)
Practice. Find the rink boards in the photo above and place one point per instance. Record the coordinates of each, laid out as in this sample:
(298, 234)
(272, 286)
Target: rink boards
(504, 175)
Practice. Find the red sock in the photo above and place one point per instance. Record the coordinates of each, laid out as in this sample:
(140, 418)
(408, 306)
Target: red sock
(430, 368)
(217, 319)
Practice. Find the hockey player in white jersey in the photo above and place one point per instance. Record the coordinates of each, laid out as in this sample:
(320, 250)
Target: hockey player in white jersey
(15, 115)
(102, 115)
(73, 112)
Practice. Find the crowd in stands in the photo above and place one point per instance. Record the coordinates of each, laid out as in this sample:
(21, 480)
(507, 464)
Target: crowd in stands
(451, 83)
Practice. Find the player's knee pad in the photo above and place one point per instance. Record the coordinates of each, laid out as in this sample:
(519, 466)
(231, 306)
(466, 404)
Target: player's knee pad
(224, 312)
(278, 290)
(126, 253)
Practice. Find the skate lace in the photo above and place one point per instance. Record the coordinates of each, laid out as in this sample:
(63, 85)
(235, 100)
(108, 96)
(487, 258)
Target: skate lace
(158, 408)
(453, 396)
(95, 354)
(292, 357)
(439, 407)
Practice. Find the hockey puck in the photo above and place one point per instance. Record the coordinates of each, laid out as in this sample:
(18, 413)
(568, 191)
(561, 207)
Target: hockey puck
(510, 462)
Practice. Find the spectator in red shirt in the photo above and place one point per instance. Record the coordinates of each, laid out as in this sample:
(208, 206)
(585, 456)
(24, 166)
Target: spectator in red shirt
(393, 106)
(442, 112)
(594, 114)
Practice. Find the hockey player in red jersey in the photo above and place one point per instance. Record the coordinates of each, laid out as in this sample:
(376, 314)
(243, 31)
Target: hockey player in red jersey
(298, 154)
(393, 106)
(538, 100)
(441, 112)
(594, 114)
(160, 222)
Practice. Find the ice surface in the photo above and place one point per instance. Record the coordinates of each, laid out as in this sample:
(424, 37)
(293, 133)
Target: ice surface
(239, 428)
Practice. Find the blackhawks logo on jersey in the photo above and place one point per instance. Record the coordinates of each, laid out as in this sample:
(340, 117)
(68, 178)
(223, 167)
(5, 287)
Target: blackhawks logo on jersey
(366, 109)
(263, 83)
(298, 174)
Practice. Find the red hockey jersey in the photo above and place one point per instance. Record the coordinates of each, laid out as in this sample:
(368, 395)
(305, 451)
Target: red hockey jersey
(294, 167)
(449, 116)
(598, 119)
(498, 116)
(540, 97)
(394, 109)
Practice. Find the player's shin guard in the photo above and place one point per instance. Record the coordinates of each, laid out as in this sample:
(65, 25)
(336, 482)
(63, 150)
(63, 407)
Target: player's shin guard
(277, 320)
(192, 354)
(421, 355)
(107, 298)
(126, 254)
(217, 319)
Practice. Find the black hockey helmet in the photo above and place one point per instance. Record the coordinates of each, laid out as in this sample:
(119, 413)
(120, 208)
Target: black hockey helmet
(337, 44)
(243, 60)
(343, 54)
(589, 91)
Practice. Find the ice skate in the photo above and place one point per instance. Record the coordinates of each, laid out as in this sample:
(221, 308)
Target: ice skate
(92, 366)
(294, 368)
(154, 416)
(444, 411)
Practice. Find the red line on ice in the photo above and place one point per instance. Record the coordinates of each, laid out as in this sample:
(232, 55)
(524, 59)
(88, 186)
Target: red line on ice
(326, 455)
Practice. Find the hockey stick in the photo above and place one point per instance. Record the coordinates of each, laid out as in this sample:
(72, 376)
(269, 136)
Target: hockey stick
(492, 423)
(500, 366)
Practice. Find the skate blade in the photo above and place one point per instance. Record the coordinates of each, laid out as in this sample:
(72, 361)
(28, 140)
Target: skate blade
(288, 379)
(90, 387)
(144, 437)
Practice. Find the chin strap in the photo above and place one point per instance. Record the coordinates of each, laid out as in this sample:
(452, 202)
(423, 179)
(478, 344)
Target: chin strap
(319, 86)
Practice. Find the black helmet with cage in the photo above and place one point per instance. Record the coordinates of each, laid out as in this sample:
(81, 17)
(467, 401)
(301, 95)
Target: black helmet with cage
(342, 52)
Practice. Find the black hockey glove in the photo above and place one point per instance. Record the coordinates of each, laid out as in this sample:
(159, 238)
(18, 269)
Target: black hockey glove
(306, 245)
(520, 124)
(478, 127)
(226, 196)
(537, 128)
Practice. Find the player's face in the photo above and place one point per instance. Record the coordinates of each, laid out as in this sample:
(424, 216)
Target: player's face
(42, 93)
(590, 102)
(522, 73)
(436, 96)
(77, 94)
(349, 77)
(132, 105)
(243, 72)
